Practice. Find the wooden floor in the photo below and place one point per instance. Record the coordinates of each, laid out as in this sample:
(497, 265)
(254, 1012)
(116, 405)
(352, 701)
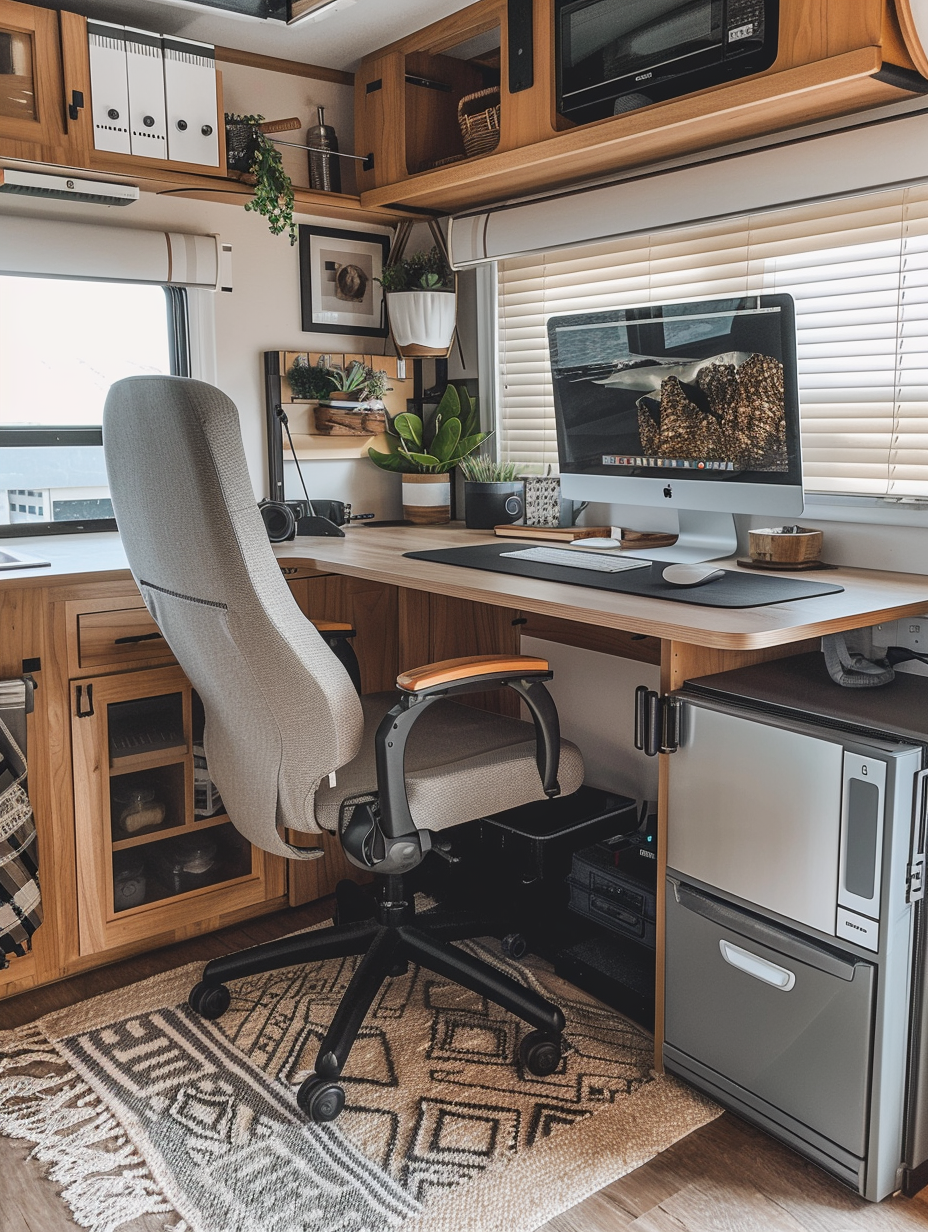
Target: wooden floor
(726, 1177)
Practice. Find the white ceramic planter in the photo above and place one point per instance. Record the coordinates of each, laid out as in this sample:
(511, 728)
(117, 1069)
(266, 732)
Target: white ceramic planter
(422, 322)
(427, 499)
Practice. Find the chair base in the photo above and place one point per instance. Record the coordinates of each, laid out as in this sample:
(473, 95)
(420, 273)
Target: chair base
(388, 939)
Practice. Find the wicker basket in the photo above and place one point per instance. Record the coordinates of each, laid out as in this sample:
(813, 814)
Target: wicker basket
(479, 124)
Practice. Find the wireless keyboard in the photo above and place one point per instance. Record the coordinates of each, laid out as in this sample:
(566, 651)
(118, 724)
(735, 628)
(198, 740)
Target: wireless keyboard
(579, 559)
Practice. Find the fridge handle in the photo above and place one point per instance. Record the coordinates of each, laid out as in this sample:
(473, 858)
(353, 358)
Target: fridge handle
(915, 887)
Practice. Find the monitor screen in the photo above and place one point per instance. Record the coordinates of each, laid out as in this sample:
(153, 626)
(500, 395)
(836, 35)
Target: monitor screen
(695, 392)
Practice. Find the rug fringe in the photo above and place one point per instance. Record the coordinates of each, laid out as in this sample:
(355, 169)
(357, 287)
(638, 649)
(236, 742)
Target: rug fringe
(105, 1182)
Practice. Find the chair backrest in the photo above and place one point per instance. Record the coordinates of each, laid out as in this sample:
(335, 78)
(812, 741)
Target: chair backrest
(281, 712)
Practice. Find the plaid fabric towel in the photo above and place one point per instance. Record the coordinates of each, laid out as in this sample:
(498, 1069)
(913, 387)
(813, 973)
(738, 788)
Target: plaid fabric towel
(20, 898)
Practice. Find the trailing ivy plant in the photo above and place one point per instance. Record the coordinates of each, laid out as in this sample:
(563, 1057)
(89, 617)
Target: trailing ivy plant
(436, 445)
(273, 197)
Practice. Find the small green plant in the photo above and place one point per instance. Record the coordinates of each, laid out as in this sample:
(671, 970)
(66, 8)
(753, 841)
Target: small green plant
(273, 196)
(422, 271)
(309, 380)
(350, 380)
(376, 384)
(485, 470)
(436, 445)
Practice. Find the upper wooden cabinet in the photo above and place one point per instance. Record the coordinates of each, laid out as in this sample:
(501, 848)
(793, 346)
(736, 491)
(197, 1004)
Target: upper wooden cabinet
(31, 106)
(834, 57)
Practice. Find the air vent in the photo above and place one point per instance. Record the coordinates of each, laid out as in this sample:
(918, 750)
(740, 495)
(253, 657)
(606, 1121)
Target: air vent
(62, 188)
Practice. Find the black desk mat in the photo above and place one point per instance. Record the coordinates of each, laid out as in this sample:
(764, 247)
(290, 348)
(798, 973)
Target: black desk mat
(735, 589)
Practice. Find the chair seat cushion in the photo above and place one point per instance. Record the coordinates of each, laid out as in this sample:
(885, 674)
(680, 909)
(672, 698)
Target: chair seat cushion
(461, 763)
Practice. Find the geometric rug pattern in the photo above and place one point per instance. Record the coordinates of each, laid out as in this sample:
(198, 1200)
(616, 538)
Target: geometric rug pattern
(443, 1129)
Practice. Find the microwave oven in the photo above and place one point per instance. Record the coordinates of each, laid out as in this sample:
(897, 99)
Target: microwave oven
(616, 55)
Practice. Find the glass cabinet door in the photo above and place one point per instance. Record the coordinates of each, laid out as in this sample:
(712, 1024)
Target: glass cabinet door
(31, 90)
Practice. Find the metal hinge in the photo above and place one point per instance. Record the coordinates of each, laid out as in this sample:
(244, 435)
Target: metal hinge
(915, 880)
(658, 722)
(81, 711)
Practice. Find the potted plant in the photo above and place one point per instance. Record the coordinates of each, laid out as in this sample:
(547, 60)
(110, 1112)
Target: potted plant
(493, 496)
(347, 384)
(421, 304)
(424, 452)
(310, 381)
(250, 152)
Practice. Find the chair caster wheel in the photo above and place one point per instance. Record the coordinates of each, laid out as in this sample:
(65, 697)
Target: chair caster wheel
(210, 1001)
(320, 1099)
(540, 1054)
(514, 945)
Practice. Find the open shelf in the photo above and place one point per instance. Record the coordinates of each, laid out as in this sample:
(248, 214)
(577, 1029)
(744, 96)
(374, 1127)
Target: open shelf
(752, 107)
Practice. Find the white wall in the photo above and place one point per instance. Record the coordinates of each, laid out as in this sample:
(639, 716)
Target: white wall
(263, 311)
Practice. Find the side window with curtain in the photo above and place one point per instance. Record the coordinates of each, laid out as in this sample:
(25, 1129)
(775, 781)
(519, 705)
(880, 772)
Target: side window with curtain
(63, 342)
(858, 271)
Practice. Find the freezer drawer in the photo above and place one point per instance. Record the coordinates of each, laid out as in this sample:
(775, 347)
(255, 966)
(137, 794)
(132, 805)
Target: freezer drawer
(788, 1020)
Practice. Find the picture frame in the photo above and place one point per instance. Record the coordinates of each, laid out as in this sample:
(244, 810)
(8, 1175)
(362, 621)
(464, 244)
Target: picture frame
(339, 291)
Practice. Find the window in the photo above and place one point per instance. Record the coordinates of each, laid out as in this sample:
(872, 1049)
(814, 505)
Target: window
(62, 344)
(858, 270)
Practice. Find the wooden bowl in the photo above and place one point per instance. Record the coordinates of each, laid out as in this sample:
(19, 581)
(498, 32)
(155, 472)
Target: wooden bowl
(785, 544)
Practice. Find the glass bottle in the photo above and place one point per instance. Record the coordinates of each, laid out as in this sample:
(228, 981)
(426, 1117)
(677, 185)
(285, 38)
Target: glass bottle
(325, 173)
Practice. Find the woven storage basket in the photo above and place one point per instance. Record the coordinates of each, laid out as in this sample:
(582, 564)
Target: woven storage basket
(479, 125)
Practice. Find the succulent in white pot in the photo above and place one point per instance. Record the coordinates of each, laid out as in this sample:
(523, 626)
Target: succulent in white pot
(421, 304)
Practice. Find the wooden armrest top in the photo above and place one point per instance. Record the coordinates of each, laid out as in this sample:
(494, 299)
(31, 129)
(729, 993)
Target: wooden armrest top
(330, 626)
(472, 665)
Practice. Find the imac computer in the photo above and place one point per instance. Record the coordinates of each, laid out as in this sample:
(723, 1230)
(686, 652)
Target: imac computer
(690, 406)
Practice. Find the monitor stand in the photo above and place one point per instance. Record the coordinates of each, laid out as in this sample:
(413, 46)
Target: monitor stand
(702, 536)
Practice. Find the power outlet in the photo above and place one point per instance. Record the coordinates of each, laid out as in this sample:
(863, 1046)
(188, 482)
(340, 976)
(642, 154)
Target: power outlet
(912, 633)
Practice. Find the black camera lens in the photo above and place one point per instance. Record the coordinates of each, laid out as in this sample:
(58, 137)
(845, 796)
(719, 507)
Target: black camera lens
(279, 521)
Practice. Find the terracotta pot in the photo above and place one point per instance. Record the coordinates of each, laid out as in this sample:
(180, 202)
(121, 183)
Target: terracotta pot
(422, 322)
(427, 499)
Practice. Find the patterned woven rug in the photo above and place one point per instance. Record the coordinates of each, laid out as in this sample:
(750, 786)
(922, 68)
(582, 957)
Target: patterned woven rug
(140, 1108)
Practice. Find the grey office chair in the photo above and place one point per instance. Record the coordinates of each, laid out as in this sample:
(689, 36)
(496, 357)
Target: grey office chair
(282, 716)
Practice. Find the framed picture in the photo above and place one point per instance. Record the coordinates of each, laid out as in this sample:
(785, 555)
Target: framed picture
(339, 292)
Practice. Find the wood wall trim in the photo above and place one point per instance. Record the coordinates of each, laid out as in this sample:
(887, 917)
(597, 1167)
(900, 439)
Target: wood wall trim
(272, 64)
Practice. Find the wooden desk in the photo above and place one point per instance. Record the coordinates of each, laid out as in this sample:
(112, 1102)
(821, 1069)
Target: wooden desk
(694, 640)
(684, 639)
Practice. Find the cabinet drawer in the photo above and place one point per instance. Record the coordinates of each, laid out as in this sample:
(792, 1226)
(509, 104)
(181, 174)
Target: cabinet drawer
(126, 636)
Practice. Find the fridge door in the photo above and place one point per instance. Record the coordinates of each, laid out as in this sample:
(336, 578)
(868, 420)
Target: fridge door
(755, 811)
(785, 1022)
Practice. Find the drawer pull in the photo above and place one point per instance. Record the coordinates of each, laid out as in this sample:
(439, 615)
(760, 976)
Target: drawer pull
(138, 637)
(760, 968)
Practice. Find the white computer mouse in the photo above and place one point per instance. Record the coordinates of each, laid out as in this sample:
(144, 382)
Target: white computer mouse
(691, 575)
(600, 545)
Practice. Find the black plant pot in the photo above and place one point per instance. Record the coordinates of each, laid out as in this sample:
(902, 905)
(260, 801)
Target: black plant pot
(493, 504)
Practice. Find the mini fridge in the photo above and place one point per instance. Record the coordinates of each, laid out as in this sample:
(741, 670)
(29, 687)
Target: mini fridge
(793, 914)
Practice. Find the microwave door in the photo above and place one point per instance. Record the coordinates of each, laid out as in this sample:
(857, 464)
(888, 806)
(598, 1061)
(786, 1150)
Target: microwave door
(605, 41)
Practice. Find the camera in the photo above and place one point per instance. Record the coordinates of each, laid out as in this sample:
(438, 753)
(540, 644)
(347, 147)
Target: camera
(285, 519)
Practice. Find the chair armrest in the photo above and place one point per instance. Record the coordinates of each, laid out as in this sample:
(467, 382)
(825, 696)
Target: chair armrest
(334, 626)
(476, 669)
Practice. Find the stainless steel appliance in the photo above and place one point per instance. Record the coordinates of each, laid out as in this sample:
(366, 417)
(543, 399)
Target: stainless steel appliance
(614, 55)
(795, 874)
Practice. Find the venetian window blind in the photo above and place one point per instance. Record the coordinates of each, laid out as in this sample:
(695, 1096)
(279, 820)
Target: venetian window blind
(858, 270)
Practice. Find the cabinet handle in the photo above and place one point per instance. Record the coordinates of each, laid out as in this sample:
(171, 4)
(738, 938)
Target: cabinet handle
(76, 103)
(81, 712)
(137, 637)
(760, 968)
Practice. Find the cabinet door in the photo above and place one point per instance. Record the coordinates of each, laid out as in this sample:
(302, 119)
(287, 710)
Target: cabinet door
(31, 108)
(459, 627)
(146, 864)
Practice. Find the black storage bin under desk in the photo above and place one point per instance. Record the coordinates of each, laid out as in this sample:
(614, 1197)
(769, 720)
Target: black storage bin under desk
(537, 841)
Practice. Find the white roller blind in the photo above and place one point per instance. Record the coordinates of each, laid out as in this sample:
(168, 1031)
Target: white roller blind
(50, 248)
(858, 271)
